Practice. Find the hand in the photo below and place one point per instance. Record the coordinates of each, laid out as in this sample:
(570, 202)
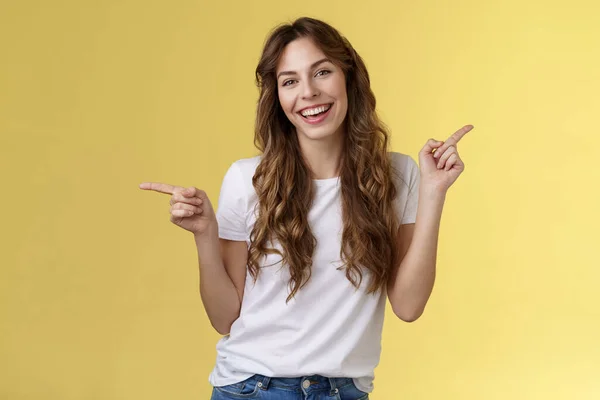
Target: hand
(440, 163)
(190, 207)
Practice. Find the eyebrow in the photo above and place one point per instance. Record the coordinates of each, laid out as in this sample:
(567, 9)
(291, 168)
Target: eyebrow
(313, 65)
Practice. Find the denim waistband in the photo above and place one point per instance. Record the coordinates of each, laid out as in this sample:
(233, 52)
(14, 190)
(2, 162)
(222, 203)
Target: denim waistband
(312, 382)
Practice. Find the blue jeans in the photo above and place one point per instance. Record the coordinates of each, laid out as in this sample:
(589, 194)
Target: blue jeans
(314, 387)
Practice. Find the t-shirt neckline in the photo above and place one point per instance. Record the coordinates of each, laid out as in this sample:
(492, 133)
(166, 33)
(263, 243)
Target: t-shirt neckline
(326, 181)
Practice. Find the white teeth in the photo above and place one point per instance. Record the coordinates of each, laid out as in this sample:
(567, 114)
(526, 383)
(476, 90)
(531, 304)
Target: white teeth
(315, 111)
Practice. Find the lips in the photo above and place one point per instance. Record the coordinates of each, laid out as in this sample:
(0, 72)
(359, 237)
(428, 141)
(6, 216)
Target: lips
(315, 107)
(316, 119)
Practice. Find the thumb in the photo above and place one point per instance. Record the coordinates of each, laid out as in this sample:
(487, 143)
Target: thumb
(431, 145)
(189, 192)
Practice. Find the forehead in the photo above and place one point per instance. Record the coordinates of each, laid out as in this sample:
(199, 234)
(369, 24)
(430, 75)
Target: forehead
(299, 54)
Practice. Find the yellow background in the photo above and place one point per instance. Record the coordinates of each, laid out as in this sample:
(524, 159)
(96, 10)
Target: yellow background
(99, 291)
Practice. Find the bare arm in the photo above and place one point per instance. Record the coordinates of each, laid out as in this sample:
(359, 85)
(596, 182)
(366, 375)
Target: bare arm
(222, 265)
(411, 282)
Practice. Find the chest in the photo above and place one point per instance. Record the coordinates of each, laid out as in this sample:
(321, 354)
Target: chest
(326, 224)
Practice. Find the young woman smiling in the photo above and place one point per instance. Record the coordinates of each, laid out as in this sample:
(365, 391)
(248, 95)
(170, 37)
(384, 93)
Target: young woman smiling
(313, 235)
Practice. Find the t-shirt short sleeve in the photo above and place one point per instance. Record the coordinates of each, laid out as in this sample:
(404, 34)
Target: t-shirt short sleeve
(407, 185)
(232, 206)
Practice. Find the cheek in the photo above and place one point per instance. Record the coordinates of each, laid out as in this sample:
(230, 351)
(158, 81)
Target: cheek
(342, 100)
(286, 102)
(338, 90)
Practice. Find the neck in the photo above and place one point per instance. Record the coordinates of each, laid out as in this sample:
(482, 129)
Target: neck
(322, 156)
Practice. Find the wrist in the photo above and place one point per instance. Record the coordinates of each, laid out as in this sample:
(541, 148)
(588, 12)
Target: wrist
(210, 234)
(430, 208)
(432, 193)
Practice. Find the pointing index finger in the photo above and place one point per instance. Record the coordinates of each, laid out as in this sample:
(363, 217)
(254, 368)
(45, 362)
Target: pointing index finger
(159, 187)
(456, 136)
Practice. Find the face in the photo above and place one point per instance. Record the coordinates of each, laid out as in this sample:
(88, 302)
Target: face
(312, 91)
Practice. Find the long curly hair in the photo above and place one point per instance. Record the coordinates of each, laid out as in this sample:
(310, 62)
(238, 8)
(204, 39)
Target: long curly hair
(283, 181)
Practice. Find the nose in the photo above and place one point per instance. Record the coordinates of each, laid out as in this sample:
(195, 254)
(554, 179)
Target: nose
(309, 90)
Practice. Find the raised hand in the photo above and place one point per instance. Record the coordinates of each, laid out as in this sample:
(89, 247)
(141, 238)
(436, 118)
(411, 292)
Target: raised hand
(440, 163)
(190, 207)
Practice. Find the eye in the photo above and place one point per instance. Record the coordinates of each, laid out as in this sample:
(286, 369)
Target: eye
(323, 72)
(288, 82)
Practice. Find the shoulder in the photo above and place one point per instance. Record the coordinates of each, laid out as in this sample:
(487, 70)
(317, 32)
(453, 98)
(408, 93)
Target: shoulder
(246, 165)
(243, 169)
(404, 166)
(239, 177)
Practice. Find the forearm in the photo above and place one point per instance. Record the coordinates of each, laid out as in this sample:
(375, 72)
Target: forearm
(414, 281)
(218, 293)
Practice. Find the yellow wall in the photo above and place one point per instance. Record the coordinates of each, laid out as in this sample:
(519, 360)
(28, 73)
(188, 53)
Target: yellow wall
(99, 291)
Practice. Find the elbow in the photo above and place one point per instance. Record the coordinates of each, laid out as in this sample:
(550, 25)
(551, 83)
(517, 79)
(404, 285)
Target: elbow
(410, 318)
(407, 315)
(223, 325)
(222, 329)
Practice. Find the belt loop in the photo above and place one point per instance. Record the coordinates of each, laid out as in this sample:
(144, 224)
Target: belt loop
(334, 390)
(263, 383)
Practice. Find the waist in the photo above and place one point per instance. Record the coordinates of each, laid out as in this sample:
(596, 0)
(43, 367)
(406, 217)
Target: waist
(312, 382)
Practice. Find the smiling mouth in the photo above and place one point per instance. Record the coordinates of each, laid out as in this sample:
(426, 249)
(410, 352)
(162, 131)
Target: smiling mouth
(316, 112)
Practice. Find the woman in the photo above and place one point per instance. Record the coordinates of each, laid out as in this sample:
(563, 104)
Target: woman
(311, 236)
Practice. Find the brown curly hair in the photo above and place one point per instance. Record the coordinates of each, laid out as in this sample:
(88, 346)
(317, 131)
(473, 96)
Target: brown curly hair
(283, 181)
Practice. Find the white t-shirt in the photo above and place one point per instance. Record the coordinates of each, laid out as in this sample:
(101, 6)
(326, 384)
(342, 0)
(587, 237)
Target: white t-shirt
(329, 328)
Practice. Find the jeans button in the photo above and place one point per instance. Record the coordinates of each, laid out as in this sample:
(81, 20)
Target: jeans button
(306, 384)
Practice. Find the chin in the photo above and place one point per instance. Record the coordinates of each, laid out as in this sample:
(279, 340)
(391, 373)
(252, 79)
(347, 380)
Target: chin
(323, 132)
(320, 133)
